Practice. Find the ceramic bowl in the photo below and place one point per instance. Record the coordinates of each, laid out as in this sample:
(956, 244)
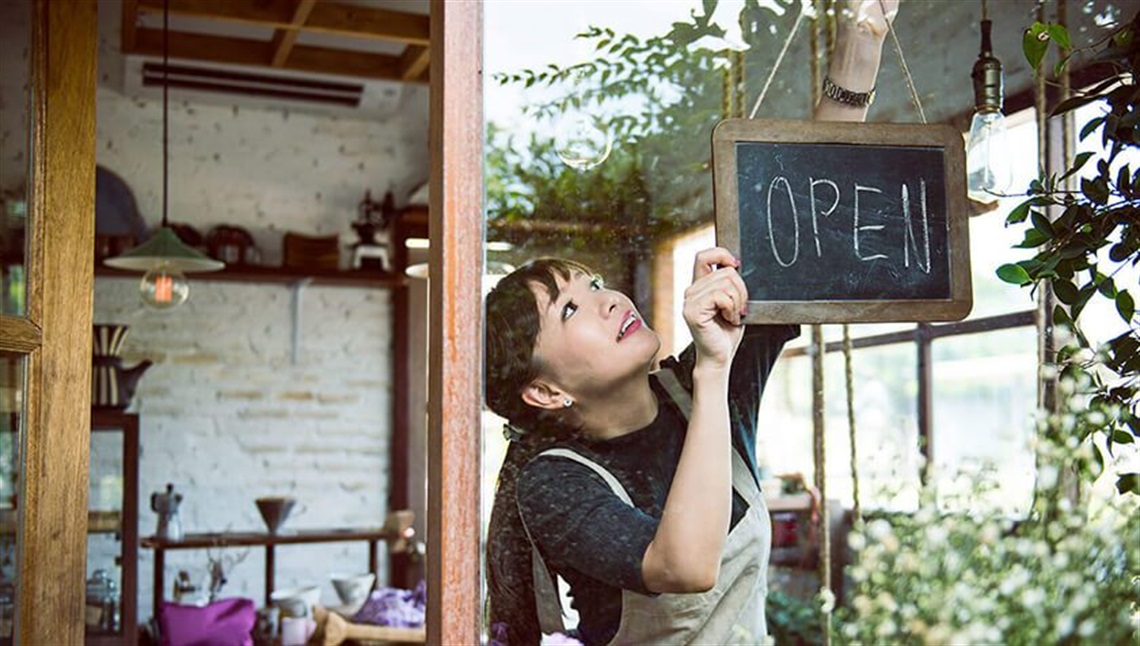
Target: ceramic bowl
(353, 589)
(296, 602)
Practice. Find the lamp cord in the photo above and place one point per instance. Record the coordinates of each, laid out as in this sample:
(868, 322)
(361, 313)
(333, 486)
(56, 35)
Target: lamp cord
(165, 106)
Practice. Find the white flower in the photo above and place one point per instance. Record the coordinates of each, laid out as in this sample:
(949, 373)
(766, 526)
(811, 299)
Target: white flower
(1047, 476)
(862, 604)
(886, 629)
(1031, 598)
(887, 602)
(826, 601)
(856, 541)
(936, 534)
(879, 529)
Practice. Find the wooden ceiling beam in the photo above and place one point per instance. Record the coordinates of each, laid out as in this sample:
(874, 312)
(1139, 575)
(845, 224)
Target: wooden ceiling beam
(414, 63)
(325, 17)
(410, 28)
(284, 39)
(238, 51)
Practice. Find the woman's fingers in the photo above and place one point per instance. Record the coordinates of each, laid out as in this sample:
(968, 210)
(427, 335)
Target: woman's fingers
(720, 292)
(710, 260)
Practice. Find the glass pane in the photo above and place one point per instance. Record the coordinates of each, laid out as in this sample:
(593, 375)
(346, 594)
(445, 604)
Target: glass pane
(984, 398)
(104, 534)
(15, 44)
(599, 118)
(885, 389)
(12, 369)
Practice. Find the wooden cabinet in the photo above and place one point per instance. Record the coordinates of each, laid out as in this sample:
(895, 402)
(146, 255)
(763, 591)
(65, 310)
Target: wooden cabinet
(113, 525)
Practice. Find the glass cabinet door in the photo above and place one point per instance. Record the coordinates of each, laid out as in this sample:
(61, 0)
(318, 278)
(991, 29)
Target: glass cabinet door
(110, 615)
(47, 200)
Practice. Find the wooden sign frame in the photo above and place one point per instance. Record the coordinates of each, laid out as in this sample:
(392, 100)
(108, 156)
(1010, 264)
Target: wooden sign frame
(728, 133)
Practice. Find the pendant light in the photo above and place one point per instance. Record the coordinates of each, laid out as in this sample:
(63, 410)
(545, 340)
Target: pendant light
(164, 257)
(988, 171)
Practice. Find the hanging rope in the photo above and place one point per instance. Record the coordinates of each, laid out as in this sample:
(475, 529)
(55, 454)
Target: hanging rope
(776, 65)
(818, 435)
(848, 373)
(905, 68)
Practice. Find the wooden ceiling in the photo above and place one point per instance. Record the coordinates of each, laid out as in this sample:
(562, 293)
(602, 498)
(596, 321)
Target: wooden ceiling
(359, 39)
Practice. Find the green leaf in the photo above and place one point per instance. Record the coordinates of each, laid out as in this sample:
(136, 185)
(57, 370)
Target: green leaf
(1041, 223)
(1066, 291)
(1060, 35)
(1033, 238)
(1096, 190)
(1014, 274)
(1018, 214)
(1083, 297)
(1091, 126)
(1061, 316)
(1128, 483)
(1073, 103)
(1125, 306)
(1033, 45)
(1078, 162)
(1121, 436)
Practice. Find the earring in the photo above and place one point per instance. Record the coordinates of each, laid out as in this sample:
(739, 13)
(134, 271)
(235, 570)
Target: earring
(567, 403)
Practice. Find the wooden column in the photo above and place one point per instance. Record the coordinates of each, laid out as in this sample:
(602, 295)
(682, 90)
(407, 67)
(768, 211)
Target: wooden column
(455, 343)
(53, 498)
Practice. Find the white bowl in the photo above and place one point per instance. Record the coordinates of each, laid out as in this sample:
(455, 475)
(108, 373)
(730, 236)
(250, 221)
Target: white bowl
(296, 602)
(353, 588)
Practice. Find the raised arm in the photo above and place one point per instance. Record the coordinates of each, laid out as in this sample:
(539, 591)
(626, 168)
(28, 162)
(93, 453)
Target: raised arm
(854, 66)
(684, 555)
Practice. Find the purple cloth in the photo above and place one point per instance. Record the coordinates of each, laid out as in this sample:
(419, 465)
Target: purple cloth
(228, 622)
(394, 607)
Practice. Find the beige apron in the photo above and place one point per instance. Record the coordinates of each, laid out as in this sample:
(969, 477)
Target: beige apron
(731, 613)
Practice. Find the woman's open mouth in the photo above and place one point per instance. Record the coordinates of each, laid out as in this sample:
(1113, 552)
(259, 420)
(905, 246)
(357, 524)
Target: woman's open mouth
(630, 324)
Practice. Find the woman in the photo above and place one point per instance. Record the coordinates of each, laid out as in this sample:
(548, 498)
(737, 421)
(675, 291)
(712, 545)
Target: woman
(639, 488)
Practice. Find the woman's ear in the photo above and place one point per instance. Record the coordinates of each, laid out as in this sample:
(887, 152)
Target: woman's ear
(543, 395)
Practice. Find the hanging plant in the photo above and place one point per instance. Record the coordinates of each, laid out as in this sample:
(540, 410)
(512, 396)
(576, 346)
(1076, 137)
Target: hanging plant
(1101, 219)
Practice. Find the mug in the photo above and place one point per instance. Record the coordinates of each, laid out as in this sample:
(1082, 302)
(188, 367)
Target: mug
(296, 631)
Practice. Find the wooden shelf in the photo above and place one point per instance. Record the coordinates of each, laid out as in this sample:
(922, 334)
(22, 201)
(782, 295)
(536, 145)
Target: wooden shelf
(284, 537)
(283, 276)
(98, 522)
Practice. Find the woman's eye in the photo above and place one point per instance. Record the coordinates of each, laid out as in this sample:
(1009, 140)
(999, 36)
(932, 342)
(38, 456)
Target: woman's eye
(597, 283)
(569, 309)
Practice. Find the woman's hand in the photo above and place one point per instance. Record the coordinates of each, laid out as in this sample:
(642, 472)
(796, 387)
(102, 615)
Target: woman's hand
(862, 26)
(714, 307)
(870, 18)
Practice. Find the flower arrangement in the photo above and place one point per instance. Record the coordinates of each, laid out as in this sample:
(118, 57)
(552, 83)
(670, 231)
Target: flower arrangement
(1067, 573)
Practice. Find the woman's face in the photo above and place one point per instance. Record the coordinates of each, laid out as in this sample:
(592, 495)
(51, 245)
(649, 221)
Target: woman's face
(591, 337)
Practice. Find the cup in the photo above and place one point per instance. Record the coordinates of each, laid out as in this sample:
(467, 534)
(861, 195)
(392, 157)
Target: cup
(295, 631)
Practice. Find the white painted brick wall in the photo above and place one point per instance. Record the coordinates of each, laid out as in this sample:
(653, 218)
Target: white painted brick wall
(226, 415)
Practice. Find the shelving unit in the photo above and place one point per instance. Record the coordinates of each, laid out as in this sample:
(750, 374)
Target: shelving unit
(283, 276)
(124, 523)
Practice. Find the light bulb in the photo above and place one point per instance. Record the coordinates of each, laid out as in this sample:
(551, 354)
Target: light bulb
(164, 287)
(987, 157)
(988, 170)
(580, 139)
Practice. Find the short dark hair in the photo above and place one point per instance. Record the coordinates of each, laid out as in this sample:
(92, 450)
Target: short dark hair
(512, 328)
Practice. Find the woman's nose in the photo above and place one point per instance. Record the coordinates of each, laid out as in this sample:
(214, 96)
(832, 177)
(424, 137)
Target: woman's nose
(609, 303)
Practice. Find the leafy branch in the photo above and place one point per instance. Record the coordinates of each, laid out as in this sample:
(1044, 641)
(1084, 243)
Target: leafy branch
(1100, 219)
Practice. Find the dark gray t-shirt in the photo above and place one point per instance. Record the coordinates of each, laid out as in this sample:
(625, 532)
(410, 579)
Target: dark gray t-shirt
(587, 534)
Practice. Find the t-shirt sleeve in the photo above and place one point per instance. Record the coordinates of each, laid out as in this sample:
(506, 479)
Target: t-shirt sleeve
(578, 522)
(751, 367)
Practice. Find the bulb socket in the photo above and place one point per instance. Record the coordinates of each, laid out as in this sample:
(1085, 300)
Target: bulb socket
(987, 75)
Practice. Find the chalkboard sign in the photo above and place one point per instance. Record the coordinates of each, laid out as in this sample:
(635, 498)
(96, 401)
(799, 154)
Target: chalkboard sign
(843, 222)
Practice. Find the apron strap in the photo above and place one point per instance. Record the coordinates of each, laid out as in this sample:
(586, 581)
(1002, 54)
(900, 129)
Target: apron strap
(548, 603)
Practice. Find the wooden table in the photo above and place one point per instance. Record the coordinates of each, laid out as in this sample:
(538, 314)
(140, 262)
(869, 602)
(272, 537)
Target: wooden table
(270, 542)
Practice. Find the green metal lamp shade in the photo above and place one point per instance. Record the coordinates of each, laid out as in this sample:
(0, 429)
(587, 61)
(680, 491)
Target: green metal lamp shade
(164, 247)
